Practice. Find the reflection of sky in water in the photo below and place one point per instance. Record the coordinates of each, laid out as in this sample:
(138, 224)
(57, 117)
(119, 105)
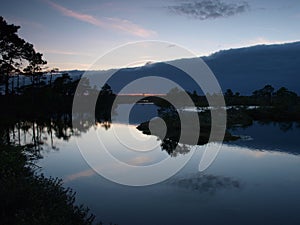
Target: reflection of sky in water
(252, 181)
(243, 186)
(138, 113)
(272, 137)
(129, 145)
(117, 152)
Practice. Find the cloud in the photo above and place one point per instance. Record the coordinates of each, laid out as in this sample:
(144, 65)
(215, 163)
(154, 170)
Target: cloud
(75, 176)
(61, 52)
(209, 9)
(128, 26)
(108, 23)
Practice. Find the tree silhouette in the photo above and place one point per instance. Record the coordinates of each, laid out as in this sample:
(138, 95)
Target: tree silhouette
(35, 59)
(13, 51)
(106, 90)
(228, 93)
(265, 93)
(52, 71)
(60, 85)
(285, 99)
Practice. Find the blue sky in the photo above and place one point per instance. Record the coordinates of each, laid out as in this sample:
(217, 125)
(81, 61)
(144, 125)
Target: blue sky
(72, 34)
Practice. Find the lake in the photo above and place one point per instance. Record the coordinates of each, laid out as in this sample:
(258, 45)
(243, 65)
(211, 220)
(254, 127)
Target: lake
(254, 180)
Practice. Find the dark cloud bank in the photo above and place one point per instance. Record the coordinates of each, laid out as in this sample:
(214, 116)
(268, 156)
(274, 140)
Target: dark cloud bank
(209, 9)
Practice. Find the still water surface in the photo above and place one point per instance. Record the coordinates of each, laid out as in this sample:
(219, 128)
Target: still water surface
(255, 180)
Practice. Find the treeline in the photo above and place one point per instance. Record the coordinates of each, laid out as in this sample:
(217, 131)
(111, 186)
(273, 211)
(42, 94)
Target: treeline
(266, 96)
(267, 104)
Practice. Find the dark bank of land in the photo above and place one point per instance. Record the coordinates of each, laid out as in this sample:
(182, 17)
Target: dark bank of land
(27, 198)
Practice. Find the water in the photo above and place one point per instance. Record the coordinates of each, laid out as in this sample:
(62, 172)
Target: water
(252, 181)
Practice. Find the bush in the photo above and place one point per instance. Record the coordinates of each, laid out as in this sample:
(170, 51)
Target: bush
(32, 199)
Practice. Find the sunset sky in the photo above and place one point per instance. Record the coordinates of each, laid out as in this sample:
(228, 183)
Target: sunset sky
(72, 34)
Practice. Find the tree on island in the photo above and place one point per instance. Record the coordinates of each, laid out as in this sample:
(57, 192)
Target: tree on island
(285, 99)
(106, 90)
(265, 93)
(228, 93)
(14, 51)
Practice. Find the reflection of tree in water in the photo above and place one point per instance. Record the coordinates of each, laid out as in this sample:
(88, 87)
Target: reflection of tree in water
(286, 126)
(170, 142)
(283, 125)
(36, 132)
(174, 148)
(105, 124)
(205, 183)
(174, 134)
(44, 119)
(104, 107)
(169, 145)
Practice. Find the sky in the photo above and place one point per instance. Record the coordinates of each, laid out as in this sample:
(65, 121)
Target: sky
(72, 34)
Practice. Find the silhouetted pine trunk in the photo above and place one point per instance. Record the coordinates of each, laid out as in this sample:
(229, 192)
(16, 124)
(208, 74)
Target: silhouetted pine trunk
(12, 85)
(13, 133)
(32, 80)
(18, 81)
(19, 133)
(33, 134)
(24, 137)
(6, 84)
(40, 133)
(50, 80)
(37, 134)
(7, 136)
(51, 135)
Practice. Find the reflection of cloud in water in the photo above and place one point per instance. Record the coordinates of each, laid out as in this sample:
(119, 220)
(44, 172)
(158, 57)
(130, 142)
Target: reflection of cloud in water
(205, 183)
(75, 176)
(114, 168)
(91, 172)
(257, 154)
(253, 152)
(140, 161)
